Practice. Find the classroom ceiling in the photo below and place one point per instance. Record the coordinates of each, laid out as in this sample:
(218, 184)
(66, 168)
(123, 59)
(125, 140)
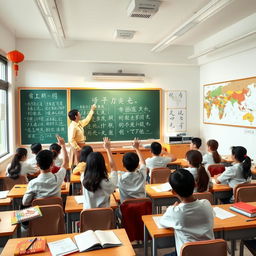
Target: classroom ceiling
(97, 20)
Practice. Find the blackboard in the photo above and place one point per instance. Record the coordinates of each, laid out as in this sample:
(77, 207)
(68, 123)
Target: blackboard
(121, 114)
(43, 114)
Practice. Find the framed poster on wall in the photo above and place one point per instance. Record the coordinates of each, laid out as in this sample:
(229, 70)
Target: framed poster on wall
(231, 103)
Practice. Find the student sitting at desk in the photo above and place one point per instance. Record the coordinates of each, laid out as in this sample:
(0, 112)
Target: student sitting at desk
(238, 173)
(56, 149)
(35, 149)
(212, 157)
(192, 219)
(131, 183)
(97, 186)
(80, 168)
(19, 166)
(157, 160)
(201, 175)
(196, 144)
(46, 184)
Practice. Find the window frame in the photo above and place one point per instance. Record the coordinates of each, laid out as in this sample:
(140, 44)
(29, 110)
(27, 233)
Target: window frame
(4, 85)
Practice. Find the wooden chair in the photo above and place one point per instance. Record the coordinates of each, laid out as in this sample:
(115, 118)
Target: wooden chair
(204, 195)
(132, 210)
(97, 219)
(215, 169)
(51, 223)
(206, 247)
(48, 201)
(245, 192)
(9, 182)
(160, 175)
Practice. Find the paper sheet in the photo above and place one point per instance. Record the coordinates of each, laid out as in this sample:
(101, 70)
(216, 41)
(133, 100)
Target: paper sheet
(79, 199)
(157, 221)
(162, 188)
(3, 194)
(222, 214)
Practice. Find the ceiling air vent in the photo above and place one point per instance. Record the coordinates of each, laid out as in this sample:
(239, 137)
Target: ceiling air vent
(143, 8)
(124, 34)
(119, 76)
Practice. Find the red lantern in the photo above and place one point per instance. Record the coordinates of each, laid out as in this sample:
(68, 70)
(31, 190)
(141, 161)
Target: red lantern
(15, 57)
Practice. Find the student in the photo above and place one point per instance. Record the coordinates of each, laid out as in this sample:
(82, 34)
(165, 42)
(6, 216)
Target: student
(46, 184)
(131, 183)
(19, 166)
(156, 160)
(195, 143)
(192, 219)
(56, 149)
(97, 186)
(35, 149)
(238, 173)
(212, 157)
(80, 168)
(201, 175)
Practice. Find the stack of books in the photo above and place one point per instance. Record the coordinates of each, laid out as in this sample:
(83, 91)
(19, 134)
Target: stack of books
(244, 208)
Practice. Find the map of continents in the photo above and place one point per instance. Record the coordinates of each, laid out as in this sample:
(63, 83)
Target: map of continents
(231, 103)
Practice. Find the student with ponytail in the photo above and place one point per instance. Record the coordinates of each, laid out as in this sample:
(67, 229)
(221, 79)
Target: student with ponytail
(19, 166)
(196, 168)
(238, 173)
(56, 149)
(212, 157)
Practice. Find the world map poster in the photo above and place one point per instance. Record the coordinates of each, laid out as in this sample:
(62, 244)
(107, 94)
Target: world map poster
(231, 103)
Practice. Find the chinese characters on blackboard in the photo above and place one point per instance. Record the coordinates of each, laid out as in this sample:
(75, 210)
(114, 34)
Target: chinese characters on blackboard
(176, 111)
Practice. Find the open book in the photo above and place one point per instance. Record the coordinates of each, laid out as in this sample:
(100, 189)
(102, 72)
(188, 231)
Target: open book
(26, 214)
(62, 247)
(93, 240)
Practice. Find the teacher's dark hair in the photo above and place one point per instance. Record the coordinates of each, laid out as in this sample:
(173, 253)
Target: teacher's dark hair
(72, 114)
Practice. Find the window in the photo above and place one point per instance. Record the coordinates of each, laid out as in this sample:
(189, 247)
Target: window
(4, 138)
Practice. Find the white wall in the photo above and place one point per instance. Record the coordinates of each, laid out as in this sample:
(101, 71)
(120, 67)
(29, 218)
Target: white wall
(78, 74)
(238, 66)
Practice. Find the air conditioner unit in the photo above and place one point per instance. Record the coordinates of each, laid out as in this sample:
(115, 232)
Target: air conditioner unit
(119, 76)
(143, 8)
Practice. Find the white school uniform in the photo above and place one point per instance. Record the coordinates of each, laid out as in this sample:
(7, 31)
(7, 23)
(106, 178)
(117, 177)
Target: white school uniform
(233, 175)
(26, 168)
(190, 221)
(45, 185)
(132, 184)
(193, 171)
(32, 161)
(58, 161)
(208, 159)
(157, 162)
(101, 197)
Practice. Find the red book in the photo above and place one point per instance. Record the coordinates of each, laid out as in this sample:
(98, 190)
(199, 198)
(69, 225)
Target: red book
(245, 207)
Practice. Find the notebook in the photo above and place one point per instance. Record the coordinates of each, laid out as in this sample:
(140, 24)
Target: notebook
(62, 247)
(38, 246)
(26, 214)
(244, 208)
(93, 240)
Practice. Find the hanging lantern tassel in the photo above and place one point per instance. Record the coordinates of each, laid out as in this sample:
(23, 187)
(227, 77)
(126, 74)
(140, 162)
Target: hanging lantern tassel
(15, 57)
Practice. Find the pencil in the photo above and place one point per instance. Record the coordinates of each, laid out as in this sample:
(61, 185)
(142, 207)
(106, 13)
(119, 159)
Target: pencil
(250, 220)
(33, 241)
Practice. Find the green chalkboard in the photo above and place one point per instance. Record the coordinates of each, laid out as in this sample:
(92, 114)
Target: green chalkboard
(43, 114)
(121, 114)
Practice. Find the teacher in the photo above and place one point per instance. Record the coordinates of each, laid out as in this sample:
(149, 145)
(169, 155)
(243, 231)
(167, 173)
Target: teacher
(76, 137)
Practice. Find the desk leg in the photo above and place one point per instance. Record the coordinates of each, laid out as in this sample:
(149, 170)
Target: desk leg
(233, 244)
(154, 247)
(69, 224)
(154, 208)
(145, 241)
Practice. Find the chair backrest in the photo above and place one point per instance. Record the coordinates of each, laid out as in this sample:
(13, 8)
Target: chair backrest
(48, 201)
(204, 195)
(160, 175)
(215, 169)
(206, 247)
(9, 182)
(245, 192)
(51, 223)
(97, 219)
(241, 193)
(132, 210)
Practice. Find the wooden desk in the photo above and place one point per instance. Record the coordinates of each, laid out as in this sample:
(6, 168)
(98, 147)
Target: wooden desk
(233, 228)
(7, 230)
(73, 210)
(125, 249)
(180, 162)
(5, 204)
(18, 191)
(75, 183)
